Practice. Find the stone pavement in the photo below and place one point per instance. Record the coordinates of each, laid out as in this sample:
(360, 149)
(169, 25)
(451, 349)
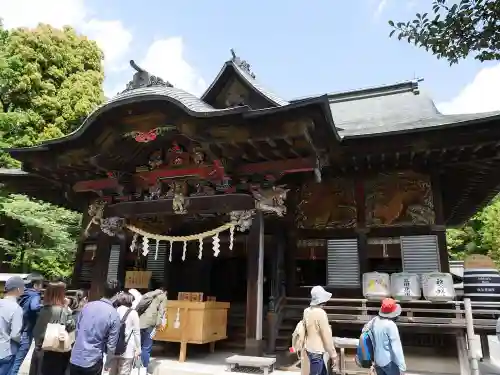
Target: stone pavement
(214, 364)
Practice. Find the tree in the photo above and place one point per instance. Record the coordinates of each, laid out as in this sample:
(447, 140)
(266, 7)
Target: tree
(39, 236)
(480, 235)
(455, 30)
(50, 80)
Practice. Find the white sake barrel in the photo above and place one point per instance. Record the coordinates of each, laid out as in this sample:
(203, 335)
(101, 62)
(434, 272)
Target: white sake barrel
(438, 287)
(405, 286)
(376, 285)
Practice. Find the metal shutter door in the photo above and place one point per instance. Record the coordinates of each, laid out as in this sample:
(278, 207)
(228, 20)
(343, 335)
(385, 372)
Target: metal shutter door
(420, 254)
(343, 263)
(114, 262)
(86, 272)
(157, 266)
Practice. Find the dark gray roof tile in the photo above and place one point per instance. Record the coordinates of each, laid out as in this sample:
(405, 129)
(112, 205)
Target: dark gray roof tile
(390, 108)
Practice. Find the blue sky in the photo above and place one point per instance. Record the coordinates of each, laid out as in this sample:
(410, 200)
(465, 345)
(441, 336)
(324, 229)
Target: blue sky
(295, 47)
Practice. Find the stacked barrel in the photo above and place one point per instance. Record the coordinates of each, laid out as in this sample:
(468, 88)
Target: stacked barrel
(481, 279)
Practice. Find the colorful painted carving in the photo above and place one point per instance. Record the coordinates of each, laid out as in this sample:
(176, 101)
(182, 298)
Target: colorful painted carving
(149, 136)
(401, 198)
(327, 205)
(156, 160)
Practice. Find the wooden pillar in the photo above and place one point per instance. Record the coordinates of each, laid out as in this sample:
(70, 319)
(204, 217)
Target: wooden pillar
(77, 269)
(362, 231)
(100, 270)
(439, 229)
(255, 283)
(291, 243)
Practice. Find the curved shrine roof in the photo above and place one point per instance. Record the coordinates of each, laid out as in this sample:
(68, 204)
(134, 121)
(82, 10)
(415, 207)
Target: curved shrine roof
(248, 78)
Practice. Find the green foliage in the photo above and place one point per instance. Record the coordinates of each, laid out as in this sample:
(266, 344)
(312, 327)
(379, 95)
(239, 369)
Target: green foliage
(455, 30)
(39, 235)
(480, 235)
(50, 79)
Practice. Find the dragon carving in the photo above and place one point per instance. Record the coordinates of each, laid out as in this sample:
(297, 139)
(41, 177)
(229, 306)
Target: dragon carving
(271, 200)
(110, 226)
(96, 214)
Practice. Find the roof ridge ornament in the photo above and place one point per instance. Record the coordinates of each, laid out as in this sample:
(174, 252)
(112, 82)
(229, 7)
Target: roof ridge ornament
(143, 78)
(242, 64)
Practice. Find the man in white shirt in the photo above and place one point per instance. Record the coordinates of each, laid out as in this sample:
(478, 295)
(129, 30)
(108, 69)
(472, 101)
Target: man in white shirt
(11, 323)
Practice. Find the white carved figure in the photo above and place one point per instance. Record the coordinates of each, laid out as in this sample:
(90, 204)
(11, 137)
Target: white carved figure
(242, 219)
(271, 200)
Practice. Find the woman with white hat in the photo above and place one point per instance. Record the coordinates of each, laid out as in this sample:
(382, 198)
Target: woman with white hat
(318, 335)
(389, 357)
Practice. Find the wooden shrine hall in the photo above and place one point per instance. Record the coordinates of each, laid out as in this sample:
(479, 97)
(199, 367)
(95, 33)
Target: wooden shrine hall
(252, 199)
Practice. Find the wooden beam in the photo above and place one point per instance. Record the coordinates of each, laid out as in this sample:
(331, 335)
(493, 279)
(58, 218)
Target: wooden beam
(256, 131)
(283, 166)
(223, 203)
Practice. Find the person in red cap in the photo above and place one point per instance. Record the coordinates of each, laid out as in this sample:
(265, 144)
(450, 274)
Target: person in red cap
(389, 357)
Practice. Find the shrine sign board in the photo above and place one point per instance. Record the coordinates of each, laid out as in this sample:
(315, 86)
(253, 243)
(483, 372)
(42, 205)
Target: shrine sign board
(137, 279)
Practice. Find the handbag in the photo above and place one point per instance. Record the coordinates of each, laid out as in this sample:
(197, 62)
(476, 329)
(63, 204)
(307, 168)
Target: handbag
(56, 337)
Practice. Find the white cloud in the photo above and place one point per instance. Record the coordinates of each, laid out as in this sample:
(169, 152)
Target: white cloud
(481, 95)
(111, 36)
(165, 59)
(380, 8)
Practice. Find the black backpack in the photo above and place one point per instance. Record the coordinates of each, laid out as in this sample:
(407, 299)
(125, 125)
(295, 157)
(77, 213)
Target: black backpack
(121, 344)
(144, 304)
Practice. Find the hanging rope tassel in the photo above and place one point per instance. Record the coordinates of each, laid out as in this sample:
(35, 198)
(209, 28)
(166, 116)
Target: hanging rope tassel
(134, 242)
(231, 238)
(157, 248)
(145, 246)
(184, 249)
(216, 245)
(200, 248)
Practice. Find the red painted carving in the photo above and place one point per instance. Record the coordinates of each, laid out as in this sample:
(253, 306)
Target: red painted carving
(146, 137)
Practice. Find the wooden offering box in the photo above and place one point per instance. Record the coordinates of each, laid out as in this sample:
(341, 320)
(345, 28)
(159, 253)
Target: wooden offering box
(194, 323)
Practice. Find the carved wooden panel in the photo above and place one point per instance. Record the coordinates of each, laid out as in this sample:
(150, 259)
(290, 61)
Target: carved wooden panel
(399, 198)
(327, 205)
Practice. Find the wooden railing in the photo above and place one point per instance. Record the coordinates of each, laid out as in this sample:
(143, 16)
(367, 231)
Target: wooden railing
(447, 316)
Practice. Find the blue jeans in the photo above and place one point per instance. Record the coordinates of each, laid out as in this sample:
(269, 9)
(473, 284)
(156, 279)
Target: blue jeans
(24, 348)
(146, 346)
(316, 364)
(6, 365)
(390, 369)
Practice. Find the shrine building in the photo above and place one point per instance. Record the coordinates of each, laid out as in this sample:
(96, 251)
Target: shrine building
(252, 199)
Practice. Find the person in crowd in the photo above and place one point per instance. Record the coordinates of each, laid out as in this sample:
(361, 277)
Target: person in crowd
(389, 357)
(11, 323)
(55, 311)
(97, 330)
(77, 303)
(137, 297)
(152, 318)
(122, 364)
(318, 338)
(31, 304)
